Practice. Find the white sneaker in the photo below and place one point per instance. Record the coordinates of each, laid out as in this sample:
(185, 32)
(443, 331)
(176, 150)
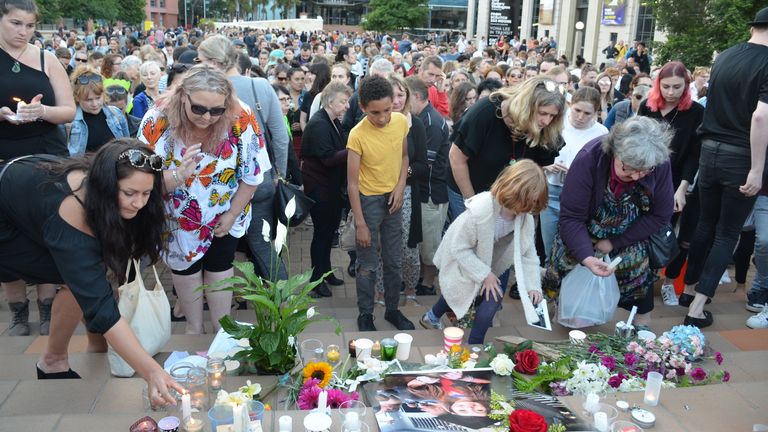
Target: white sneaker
(759, 321)
(725, 279)
(668, 295)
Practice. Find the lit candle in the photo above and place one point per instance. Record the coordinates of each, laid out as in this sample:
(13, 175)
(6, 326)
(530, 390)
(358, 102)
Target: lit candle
(192, 424)
(186, 406)
(19, 103)
(322, 401)
(652, 388)
(216, 381)
(601, 421)
(237, 415)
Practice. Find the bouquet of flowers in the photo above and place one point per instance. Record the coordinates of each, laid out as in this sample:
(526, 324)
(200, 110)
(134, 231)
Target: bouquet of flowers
(518, 420)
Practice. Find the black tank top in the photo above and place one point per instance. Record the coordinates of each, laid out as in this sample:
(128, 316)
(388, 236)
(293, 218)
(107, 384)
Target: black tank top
(25, 84)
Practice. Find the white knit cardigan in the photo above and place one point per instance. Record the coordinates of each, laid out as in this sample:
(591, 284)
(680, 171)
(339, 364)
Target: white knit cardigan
(468, 253)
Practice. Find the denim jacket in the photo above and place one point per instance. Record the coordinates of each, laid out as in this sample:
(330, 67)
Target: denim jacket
(78, 131)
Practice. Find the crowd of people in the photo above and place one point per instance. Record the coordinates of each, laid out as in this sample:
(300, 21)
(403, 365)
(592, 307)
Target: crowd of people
(476, 169)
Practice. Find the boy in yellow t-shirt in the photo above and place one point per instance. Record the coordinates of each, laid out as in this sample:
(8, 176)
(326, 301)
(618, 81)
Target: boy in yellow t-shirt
(377, 168)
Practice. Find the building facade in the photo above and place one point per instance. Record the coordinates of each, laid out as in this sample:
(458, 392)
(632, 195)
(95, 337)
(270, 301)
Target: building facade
(583, 27)
(163, 13)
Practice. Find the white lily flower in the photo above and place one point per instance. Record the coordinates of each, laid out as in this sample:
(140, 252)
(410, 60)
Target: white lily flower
(290, 208)
(266, 230)
(291, 340)
(282, 233)
(310, 312)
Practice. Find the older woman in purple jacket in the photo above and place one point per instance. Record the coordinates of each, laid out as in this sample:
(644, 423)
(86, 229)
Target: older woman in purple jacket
(617, 194)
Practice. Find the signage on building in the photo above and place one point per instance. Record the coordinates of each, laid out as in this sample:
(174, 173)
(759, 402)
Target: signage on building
(613, 12)
(499, 20)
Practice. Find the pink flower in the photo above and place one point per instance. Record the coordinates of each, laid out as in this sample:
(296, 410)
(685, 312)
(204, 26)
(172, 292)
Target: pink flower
(608, 362)
(633, 346)
(726, 376)
(309, 394)
(671, 374)
(593, 349)
(630, 359)
(336, 397)
(616, 380)
(718, 357)
(699, 374)
(652, 357)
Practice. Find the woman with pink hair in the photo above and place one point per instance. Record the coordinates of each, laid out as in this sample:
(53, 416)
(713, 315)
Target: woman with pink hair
(670, 101)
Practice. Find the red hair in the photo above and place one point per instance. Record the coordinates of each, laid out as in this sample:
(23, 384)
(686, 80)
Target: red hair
(656, 101)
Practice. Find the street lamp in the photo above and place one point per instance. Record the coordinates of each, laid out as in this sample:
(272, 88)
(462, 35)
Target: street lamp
(577, 39)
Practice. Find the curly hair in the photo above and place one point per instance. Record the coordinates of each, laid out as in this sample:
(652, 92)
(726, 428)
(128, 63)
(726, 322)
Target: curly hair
(120, 239)
(524, 103)
(373, 88)
(640, 142)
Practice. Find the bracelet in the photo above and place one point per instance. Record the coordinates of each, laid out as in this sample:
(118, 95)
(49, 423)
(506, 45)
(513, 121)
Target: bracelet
(176, 178)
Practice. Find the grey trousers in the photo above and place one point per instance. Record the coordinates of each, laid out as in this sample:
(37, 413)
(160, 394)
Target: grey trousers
(386, 234)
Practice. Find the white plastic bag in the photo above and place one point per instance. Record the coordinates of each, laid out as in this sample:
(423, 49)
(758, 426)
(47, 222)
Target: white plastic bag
(149, 315)
(587, 299)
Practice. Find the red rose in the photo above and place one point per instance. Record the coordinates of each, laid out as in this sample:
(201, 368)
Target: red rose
(526, 362)
(526, 421)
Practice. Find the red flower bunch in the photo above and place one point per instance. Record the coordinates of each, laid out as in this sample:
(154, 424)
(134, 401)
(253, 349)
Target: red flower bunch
(526, 421)
(527, 362)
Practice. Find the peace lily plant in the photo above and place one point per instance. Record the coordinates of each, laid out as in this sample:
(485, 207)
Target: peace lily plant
(282, 308)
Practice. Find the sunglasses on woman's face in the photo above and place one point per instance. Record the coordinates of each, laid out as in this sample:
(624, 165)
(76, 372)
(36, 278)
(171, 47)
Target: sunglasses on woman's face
(87, 78)
(202, 110)
(139, 159)
(81, 60)
(116, 90)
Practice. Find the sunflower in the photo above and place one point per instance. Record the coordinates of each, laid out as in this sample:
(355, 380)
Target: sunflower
(321, 371)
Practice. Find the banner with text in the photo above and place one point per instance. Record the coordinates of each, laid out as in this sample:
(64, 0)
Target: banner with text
(613, 12)
(499, 20)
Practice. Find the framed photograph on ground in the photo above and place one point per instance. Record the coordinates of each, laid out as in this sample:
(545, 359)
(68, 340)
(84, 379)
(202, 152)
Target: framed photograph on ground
(453, 400)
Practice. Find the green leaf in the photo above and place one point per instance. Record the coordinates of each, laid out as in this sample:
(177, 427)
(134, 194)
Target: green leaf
(262, 300)
(269, 342)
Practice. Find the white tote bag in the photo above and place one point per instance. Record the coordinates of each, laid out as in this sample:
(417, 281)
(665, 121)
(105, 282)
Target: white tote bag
(149, 315)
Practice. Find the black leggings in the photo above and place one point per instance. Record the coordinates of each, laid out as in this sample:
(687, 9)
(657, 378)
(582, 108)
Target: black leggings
(217, 258)
(743, 253)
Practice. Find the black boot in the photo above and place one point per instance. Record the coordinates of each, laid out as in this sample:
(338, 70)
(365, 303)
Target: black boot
(19, 319)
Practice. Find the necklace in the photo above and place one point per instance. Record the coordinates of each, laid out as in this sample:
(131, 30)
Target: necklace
(16, 68)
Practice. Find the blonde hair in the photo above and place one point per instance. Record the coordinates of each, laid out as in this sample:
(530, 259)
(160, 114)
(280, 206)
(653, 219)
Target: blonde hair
(397, 80)
(220, 50)
(521, 187)
(700, 70)
(200, 78)
(524, 103)
(81, 91)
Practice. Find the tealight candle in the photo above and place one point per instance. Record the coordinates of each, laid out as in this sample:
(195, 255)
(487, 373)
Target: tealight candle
(192, 424)
(216, 374)
(644, 418)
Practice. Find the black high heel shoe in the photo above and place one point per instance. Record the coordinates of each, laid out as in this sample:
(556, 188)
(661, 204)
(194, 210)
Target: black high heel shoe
(700, 322)
(70, 374)
(685, 300)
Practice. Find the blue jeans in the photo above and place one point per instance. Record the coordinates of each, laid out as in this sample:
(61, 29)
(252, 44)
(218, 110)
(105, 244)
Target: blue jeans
(723, 210)
(385, 228)
(484, 314)
(455, 205)
(549, 218)
(759, 291)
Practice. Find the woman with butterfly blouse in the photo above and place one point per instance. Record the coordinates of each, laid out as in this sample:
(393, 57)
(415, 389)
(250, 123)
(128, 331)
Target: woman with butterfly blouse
(214, 159)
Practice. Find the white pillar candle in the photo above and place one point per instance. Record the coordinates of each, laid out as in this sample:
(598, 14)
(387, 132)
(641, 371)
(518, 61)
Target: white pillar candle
(322, 401)
(285, 423)
(592, 403)
(601, 421)
(653, 388)
(186, 406)
(237, 415)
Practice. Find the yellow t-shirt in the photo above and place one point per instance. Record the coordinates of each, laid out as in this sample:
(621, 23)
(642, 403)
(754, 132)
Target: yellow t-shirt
(381, 153)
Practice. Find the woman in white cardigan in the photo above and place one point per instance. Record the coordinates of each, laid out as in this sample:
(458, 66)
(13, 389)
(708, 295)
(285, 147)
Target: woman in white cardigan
(495, 232)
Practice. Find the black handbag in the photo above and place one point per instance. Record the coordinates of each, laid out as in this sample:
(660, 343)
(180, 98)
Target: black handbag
(662, 247)
(284, 190)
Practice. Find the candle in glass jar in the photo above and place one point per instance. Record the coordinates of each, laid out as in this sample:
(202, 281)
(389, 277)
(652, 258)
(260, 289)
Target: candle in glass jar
(192, 424)
(388, 349)
(352, 348)
(332, 354)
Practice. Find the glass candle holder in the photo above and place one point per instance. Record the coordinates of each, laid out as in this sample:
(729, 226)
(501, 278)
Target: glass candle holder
(652, 388)
(332, 354)
(179, 373)
(311, 351)
(197, 388)
(193, 423)
(217, 375)
(388, 349)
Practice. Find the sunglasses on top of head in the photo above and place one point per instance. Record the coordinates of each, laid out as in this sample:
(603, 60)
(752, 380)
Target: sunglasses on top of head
(87, 78)
(139, 159)
(202, 110)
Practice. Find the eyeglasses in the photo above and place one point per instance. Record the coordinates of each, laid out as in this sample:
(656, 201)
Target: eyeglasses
(203, 110)
(630, 171)
(81, 60)
(553, 87)
(282, 78)
(513, 75)
(115, 90)
(638, 97)
(139, 159)
(88, 78)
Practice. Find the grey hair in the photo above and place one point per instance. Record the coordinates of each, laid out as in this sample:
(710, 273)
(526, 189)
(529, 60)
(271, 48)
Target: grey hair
(148, 65)
(129, 62)
(219, 49)
(381, 67)
(640, 142)
(332, 90)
